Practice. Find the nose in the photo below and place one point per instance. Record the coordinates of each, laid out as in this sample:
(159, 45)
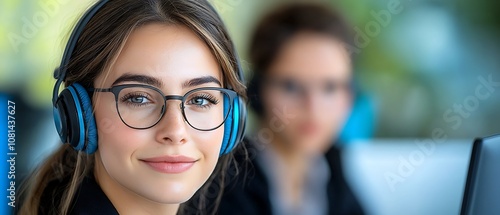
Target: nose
(172, 127)
(313, 102)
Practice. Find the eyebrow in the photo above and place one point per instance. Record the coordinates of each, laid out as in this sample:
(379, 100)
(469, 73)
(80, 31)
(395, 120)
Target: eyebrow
(138, 78)
(201, 80)
(158, 83)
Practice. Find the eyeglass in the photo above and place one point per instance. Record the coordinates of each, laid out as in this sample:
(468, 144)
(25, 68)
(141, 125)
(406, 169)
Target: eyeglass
(142, 106)
(296, 90)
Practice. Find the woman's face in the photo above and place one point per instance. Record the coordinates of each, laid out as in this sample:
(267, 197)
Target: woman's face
(306, 95)
(169, 162)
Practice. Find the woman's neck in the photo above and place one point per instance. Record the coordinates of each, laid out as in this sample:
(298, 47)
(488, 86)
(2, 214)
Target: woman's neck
(124, 200)
(295, 169)
(295, 158)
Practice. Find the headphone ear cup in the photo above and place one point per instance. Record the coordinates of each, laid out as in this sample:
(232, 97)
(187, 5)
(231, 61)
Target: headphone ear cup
(90, 128)
(228, 126)
(236, 121)
(74, 119)
(235, 126)
(242, 122)
(70, 118)
(60, 120)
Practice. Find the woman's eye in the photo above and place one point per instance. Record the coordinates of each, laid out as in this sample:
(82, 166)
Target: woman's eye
(291, 87)
(137, 100)
(330, 87)
(199, 101)
(203, 100)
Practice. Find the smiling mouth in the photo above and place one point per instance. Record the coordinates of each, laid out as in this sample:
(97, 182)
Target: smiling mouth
(170, 164)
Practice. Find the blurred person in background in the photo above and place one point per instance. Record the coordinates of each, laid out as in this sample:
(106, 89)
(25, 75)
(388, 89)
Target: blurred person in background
(301, 92)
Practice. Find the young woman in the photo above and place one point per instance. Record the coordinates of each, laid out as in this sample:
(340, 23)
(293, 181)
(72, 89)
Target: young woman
(158, 74)
(301, 92)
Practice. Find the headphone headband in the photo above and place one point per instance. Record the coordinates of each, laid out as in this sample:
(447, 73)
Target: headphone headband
(60, 72)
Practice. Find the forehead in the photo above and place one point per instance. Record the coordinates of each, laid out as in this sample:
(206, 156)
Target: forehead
(172, 53)
(312, 56)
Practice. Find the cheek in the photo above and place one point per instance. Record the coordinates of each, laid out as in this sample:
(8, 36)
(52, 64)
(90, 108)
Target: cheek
(209, 144)
(117, 142)
(332, 122)
(343, 109)
(106, 116)
(279, 111)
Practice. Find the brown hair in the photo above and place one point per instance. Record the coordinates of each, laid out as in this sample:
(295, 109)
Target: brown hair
(277, 27)
(95, 53)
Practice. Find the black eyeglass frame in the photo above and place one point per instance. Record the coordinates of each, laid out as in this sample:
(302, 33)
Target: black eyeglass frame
(118, 88)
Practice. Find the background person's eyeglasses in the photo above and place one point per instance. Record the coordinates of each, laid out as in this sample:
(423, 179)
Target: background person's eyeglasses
(297, 91)
(142, 106)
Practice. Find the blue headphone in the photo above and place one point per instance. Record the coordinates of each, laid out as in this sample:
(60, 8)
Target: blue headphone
(73, 114)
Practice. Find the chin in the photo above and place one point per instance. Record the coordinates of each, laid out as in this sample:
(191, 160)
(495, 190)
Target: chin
(170, 193)
(315, 146)
(171, 198)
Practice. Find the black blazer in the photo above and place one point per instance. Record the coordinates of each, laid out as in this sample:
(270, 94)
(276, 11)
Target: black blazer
(247, 193)
(89, 199)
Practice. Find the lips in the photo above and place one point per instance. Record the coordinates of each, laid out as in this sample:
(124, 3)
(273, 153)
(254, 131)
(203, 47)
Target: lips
(170, 164)
(308, 128)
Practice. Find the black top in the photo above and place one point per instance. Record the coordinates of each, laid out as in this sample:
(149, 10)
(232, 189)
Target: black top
(247, 193)
(89, 199)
